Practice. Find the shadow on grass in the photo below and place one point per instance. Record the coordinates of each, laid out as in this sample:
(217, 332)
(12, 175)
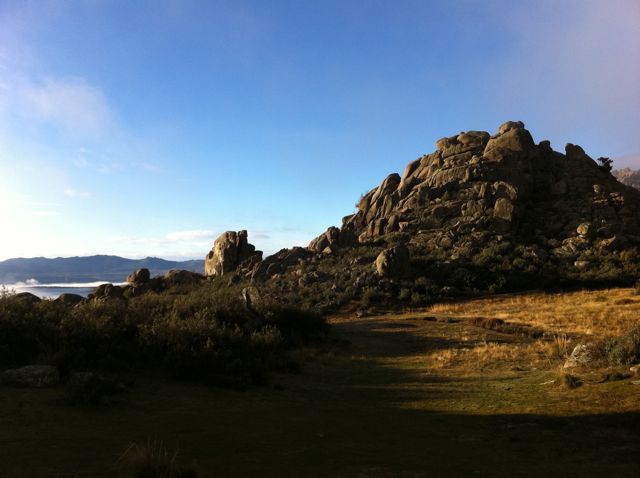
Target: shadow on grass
(358, 415)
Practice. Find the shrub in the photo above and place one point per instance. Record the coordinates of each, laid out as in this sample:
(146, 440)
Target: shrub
(24, 335)
(624, 350)
(370, 297)
(202, 332)
(568, 381)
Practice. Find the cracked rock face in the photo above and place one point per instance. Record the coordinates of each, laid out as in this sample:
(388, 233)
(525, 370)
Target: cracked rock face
(229, 251)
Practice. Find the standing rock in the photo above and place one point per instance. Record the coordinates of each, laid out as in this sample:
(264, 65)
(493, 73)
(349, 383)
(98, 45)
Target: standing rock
(582, 355)
(393, 262)
(229, 251)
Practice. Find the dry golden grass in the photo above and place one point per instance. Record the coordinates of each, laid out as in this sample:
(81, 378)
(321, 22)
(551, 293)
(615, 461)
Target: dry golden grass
(600, 314)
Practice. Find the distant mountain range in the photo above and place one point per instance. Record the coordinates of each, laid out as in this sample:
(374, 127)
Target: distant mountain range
(86, 269)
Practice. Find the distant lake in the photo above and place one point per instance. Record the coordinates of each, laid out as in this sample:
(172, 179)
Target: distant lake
(54, 290)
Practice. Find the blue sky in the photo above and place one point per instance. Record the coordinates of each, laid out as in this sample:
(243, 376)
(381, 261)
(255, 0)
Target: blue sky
(149, 127)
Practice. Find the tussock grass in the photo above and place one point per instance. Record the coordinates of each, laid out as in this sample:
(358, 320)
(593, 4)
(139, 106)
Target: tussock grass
(566, 381)
(153, 460)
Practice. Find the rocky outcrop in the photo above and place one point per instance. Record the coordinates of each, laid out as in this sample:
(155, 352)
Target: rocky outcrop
(180, 277)
(483, 212)
(497, 185)
(279, 263)
(628, 176)
(229, 252)
(332, 239)
(106, 292)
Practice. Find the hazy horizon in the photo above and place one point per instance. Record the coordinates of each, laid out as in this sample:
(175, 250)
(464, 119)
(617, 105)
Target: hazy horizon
(149, 128)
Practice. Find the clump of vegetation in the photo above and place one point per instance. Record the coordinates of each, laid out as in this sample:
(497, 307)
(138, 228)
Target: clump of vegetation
(559, 347)
(624, 350)
(567, 381)
(204, 332)
(499, 325)
(153, 460)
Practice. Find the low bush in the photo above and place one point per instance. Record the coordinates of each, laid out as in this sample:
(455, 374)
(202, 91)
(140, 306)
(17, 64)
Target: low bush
(624, 350)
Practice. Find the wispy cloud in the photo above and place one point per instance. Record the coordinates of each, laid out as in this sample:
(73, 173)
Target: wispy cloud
(70, 103)
(72, 193)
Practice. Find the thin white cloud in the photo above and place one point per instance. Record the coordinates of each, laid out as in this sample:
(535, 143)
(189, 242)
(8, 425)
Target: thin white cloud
(72, 103)
(72, 193)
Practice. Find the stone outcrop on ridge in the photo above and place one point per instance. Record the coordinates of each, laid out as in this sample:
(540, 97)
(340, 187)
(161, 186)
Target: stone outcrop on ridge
(229, 251)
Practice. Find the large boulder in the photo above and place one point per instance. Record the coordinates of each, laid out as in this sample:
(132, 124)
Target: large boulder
(106, 292)
(69, 299)
(31, 376)
(229, 251)
(139, 277)
(180, 277)
(393, 262)
(332, 238)
(28, 297)
(280, 262)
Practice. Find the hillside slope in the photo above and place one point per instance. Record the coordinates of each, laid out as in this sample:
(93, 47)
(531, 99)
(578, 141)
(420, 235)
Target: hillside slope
(483, 213)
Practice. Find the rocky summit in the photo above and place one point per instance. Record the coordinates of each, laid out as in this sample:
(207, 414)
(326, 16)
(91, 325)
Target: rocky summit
(482, 212)
(481, 186)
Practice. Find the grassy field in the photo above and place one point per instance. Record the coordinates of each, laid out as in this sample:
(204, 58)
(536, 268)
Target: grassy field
(424, 393)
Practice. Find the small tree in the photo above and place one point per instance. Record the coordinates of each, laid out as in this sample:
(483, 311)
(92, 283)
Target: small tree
(605, 163)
